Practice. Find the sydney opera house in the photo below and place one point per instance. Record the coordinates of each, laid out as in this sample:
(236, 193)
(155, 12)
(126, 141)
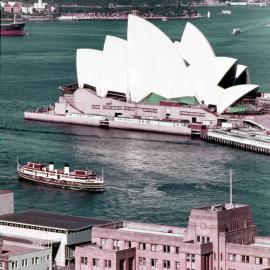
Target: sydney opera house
(148, 82)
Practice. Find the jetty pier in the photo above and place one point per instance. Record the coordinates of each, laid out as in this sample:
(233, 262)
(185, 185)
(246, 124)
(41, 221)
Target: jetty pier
(249, 140)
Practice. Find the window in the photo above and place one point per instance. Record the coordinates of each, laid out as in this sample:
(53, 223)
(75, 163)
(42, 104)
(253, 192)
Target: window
(84, 260)
(154, 247)
(142, 261)
(150, 110)
(96, 262)
(154, 263)
(25, 262)
(142, 246)
(166, 264)
(245, 259)
(14, 264)
(116, 244)
(166, 249)
(177, 250)
(128, 244)
(232, 257)
(177, 265)
(193, 257)
(188, 257)
(258, 260)
(198, 238)
(36, 260)
(108, 263)
(103, 241)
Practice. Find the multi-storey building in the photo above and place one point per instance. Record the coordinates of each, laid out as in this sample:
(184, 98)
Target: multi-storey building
(61, 232)
(219, 237)
(26, 255)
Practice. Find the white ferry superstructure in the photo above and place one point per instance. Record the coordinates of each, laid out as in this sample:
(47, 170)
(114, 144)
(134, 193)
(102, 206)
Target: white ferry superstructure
(64, 178)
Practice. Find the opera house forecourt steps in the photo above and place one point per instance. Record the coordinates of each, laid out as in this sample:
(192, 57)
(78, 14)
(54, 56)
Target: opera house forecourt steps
(150, 83)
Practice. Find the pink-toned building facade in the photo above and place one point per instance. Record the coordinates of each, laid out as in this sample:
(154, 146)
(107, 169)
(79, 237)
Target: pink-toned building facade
(220, 237)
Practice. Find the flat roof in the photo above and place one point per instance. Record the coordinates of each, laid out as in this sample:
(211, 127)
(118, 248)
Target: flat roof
(53, 220)
(150, 232)
(4, 191)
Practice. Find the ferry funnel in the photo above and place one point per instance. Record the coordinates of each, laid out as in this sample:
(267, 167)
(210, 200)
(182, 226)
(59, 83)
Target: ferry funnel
(66, 168)
(51, 166)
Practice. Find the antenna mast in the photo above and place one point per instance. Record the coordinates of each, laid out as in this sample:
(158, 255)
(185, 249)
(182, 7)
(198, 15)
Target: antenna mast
(231, 194)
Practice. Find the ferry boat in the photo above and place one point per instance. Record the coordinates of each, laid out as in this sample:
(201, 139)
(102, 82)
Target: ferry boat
(12, 29)
(64, 178)
(226, 12)
(236, 31)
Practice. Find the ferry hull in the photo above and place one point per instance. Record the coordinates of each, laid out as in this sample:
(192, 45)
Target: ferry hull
(12, 33)
(12, 29)
(61, 184)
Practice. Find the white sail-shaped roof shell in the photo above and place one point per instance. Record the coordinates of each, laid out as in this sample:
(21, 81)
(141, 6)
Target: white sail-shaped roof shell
(89, 63)
(194, 46)
(201, 80)
(206, 76)
(114, 75)
(153, 62)
(149, 62)
(240, 70)
(232, 94)
(183, 86)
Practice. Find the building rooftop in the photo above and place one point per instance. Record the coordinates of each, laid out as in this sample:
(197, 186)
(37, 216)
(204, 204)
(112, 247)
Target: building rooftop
(221, 207)
(262, 242)
(4, 191)
(14, 247)
(148, 228)
(53, 220)
(151, 232)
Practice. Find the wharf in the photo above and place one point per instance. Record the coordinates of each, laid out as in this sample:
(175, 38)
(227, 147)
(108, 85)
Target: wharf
(254, 141)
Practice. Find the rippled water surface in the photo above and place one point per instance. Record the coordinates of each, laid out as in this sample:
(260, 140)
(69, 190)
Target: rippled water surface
(151, 177)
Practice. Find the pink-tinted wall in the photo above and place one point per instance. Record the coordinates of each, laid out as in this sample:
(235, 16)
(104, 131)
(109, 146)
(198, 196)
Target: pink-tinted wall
(217, 238)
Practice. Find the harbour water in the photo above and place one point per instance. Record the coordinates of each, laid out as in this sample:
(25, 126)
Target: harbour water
(150, 177)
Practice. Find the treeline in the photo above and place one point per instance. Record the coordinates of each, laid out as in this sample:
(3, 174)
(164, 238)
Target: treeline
(105, 3)
(168, 11)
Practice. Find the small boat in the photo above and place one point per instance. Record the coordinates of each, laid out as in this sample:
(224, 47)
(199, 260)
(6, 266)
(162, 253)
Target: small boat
(64, 178)
(208, 14)
(236, 31)
(12, 29)
(164, 19)
(226, 12)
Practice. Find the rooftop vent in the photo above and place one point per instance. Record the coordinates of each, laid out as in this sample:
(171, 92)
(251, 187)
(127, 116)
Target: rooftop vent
(218, 207)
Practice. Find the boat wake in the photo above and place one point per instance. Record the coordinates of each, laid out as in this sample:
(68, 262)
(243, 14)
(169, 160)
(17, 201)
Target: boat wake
(8, 177)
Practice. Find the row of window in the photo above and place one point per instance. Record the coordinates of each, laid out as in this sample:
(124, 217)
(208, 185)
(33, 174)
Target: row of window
(192, 113)
(96, 262)
(246, 259)
(39, 228)
(154, 263)
(142, 246)
(150, 110)
(106, 107)
(31, 227)
(203, 239)
(25, 262)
